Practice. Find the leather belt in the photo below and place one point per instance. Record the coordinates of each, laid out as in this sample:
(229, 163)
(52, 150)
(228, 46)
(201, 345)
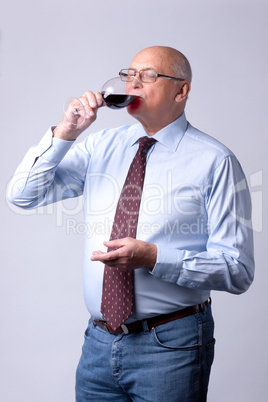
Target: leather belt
(137, 326)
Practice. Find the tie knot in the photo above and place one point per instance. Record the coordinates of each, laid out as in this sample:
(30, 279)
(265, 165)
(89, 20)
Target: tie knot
(146, 142)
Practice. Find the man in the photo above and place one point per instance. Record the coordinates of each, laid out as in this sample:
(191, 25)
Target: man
(189, 234)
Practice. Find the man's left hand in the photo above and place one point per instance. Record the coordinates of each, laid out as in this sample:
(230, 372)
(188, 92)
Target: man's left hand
(128, 253)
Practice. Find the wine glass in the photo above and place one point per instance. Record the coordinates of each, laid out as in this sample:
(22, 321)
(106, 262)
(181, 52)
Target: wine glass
(114, 94)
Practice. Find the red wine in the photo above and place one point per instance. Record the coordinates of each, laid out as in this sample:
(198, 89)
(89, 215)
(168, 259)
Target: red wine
(118, 101)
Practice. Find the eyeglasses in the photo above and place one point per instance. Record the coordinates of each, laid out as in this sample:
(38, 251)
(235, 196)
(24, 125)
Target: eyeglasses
(145, 75)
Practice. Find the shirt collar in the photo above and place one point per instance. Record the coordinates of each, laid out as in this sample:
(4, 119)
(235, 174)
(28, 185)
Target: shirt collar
(170, 136)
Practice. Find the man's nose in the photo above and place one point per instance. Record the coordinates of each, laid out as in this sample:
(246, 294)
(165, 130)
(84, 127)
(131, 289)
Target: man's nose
(136, 83)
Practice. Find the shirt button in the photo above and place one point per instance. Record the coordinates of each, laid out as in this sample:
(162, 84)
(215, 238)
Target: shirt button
(163, 277)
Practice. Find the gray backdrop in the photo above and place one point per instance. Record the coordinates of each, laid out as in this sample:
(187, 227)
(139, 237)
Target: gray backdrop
(53, 49)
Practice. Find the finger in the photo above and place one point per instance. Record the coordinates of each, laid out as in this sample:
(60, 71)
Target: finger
(98, 252)
(114, 243)
(96, 255)
(106, 257)
(90, 104)
(89, 112)
(90, 99)
(100, 100)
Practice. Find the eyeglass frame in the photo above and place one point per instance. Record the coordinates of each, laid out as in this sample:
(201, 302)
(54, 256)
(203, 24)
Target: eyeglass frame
(147, 69)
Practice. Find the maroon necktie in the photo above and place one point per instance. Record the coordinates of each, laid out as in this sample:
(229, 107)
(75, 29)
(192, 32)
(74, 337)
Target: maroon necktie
(118, 284)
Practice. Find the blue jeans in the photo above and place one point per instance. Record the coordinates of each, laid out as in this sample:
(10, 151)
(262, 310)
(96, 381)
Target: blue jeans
(169, 363)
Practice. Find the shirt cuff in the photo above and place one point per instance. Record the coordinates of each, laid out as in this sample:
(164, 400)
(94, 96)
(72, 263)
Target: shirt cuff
(53, 149)
(168, 264)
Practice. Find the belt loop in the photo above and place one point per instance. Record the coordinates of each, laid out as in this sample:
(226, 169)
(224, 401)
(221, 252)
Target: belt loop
(204, 308)
(93, 322)
(145, 326)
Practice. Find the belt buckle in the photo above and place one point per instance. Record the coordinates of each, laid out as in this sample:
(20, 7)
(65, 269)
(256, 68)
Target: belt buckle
(107, 328)
(125, 329)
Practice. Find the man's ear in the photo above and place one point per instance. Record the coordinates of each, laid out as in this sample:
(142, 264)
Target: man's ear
(183, 92)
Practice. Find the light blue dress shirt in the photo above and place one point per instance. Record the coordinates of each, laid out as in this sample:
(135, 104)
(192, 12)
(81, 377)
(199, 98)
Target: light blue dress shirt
(195, 207)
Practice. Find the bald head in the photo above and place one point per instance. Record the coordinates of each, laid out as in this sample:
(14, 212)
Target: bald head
(162, 100)
(172, 59)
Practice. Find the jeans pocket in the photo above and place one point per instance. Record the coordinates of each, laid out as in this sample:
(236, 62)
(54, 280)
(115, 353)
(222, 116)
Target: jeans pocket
(175, 344)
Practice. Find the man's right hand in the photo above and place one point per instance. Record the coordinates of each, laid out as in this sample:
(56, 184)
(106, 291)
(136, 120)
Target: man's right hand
(65, 130)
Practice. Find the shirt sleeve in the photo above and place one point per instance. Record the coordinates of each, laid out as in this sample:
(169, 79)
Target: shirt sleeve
(50, 171)
(227, 264)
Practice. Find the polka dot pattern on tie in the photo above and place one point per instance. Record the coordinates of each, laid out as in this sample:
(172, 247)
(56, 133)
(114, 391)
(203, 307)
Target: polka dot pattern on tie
(118, 284)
